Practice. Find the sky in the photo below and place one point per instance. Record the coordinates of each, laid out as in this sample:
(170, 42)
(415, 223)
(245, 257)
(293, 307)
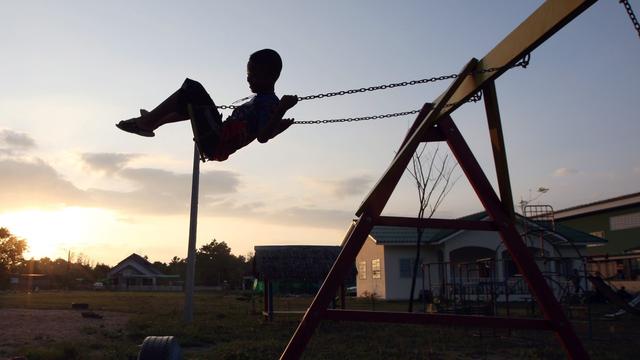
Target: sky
(72, 182)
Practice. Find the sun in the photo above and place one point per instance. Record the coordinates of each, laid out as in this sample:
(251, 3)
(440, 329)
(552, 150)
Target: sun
(52, 233)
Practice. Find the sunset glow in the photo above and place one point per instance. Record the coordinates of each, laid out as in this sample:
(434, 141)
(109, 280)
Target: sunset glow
(52, 233)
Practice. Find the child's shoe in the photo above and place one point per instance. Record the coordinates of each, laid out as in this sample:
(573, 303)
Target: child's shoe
(132, 126)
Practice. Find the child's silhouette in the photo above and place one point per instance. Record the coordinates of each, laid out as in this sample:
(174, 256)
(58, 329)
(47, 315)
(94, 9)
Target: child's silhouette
(260, 118)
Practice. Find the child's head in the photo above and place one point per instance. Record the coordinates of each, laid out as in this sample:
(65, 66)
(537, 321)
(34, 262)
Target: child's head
(263, 70)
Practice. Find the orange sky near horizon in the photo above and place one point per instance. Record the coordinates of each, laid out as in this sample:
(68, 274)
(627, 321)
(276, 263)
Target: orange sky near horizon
(100, 236)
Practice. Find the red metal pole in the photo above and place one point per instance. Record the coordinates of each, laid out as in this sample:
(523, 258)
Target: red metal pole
(318, 307)
(437, 319)
(512, 240)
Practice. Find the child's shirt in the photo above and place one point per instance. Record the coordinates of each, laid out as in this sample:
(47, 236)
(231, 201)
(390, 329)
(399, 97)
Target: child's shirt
(244, 124)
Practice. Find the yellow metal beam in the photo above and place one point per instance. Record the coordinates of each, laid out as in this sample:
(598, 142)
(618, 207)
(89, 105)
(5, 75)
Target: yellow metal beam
(550, 17)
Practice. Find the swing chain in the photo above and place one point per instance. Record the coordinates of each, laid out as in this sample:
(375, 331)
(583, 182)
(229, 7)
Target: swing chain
(522, 63)
(475, 98)
(632, 16)
(373, 117)
(379, 87)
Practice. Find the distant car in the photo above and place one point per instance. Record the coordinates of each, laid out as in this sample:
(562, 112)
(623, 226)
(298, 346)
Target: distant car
(352, 291)
(98, 286)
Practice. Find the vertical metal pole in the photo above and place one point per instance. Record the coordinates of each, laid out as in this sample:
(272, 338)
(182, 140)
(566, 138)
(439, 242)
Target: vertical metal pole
(265, 298)
(193, 225)
(429, 272)
(424, 298)
(270, 301)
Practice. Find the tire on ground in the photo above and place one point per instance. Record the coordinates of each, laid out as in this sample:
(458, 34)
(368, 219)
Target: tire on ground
(160, 348)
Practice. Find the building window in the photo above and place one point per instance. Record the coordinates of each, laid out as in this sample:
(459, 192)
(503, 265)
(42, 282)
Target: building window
(362, 270)
(375, 268)
(623, 222)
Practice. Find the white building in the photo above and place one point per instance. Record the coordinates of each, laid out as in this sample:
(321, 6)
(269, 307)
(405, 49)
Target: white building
(465, 261)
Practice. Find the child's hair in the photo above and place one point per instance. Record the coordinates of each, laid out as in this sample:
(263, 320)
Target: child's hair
(267, 62)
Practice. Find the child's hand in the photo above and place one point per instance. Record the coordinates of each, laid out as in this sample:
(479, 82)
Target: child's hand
(288, 101)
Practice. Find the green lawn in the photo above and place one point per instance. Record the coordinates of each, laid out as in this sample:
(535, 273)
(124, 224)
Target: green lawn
(229, 326)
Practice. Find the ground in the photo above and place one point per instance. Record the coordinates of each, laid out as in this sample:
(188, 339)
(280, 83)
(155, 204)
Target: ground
(25, 327)
(229, 326)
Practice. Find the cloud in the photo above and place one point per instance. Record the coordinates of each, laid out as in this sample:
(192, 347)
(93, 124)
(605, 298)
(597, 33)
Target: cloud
(35, 183)
(108, 163)
(322, 218)
(351, 186)
(12, 141)
(165, 192)
(158, 192)
(563, 171)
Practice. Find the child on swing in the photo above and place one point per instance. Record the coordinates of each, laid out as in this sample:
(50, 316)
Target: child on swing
(260, 118)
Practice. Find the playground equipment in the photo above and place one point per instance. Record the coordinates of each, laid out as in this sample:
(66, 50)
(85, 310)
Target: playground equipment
(484, 287)
(434, 123)
(292, 269)
(610, 294)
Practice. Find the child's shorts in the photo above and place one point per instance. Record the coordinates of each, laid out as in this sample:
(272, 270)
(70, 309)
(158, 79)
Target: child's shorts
(217, 140)
(233, 137)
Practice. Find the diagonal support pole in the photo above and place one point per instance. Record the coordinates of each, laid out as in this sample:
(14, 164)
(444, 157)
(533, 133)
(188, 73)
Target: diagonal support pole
(369, 213)
(513, 242)
(311, 319)
(379, 196)
(498, 146)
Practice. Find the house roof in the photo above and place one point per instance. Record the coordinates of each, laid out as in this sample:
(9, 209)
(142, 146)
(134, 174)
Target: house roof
(601, 205)
(139, 263)
(306, 263)
(394, 235)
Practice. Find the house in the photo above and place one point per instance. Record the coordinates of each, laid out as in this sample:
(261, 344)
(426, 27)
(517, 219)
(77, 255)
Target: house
(616, 219)
(295, 268)
(465, 260)
(136, 273)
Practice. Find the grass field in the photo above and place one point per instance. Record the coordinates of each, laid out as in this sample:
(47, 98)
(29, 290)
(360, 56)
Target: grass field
(229, 326)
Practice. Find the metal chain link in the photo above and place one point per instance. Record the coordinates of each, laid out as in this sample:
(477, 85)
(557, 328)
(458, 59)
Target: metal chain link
(632, 16)
(475, 98)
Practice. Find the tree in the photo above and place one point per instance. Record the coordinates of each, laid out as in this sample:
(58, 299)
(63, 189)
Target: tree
(100, 271)
(433, 186)
(216, 265)
(177, 266)
(12, 249)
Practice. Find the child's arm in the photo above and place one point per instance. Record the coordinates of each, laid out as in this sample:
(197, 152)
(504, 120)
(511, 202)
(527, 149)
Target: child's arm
(276, 124)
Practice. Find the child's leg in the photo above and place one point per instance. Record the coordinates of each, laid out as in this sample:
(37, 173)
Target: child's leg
(174, 108)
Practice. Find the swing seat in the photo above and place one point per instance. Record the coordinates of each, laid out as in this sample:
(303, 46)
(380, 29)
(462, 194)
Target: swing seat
(206, 124)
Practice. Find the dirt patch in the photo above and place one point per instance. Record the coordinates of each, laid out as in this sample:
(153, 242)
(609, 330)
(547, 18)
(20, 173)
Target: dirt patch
(30, 327)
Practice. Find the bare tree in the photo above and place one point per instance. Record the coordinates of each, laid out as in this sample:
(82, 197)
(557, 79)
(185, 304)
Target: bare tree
(433, 176)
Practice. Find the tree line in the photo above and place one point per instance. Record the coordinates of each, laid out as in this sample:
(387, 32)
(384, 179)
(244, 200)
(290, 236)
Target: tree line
(215, 265)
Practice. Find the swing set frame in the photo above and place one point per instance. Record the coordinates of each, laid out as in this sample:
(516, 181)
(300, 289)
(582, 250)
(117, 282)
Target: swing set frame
(434, 123)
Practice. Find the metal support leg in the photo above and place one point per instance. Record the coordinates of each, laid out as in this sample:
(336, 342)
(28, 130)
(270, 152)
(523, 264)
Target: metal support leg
(318, 307)
(193, 225)
(513, 242)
